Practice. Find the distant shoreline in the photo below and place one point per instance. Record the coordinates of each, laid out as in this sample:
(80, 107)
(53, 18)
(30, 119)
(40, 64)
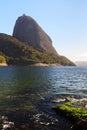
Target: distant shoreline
(36, 64)
(43, 64)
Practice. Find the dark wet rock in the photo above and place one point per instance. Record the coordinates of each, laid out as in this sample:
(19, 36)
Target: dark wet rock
(23, 127)
(80, 125)
(25, 120)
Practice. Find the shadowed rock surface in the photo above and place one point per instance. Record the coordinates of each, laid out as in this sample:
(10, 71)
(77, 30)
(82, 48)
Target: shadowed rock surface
(27, 30)
(80, 124)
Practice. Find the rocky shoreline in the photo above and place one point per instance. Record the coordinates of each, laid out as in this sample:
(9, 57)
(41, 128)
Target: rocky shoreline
(23, 120)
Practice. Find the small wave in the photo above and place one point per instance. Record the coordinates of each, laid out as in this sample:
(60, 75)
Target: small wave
(60, 98)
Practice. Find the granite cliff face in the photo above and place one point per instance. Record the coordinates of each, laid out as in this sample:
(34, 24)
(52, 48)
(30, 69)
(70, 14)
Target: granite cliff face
(27, 30)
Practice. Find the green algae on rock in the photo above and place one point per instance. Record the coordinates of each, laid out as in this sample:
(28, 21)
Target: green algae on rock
(72, 110)
(77, 111)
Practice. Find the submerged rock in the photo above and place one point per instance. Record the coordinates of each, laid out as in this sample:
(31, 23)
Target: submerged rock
(6, 124)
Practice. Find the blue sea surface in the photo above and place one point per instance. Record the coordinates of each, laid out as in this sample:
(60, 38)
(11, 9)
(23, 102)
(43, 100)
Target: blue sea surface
(36, 89)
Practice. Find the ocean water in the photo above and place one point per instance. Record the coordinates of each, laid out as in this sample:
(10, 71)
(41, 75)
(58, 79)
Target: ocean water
(27, 94)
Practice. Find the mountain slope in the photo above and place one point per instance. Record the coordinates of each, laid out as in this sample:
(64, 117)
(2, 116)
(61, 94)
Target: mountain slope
(20, 53)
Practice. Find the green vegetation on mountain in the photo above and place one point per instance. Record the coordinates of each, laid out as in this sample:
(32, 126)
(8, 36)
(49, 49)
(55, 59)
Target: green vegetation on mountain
(20, 53)
(2, 59)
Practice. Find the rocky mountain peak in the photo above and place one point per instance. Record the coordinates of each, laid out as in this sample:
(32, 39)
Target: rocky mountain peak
(28, 30)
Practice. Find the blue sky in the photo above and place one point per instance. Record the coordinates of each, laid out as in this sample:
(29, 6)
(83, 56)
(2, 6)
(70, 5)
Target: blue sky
(65, 21)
